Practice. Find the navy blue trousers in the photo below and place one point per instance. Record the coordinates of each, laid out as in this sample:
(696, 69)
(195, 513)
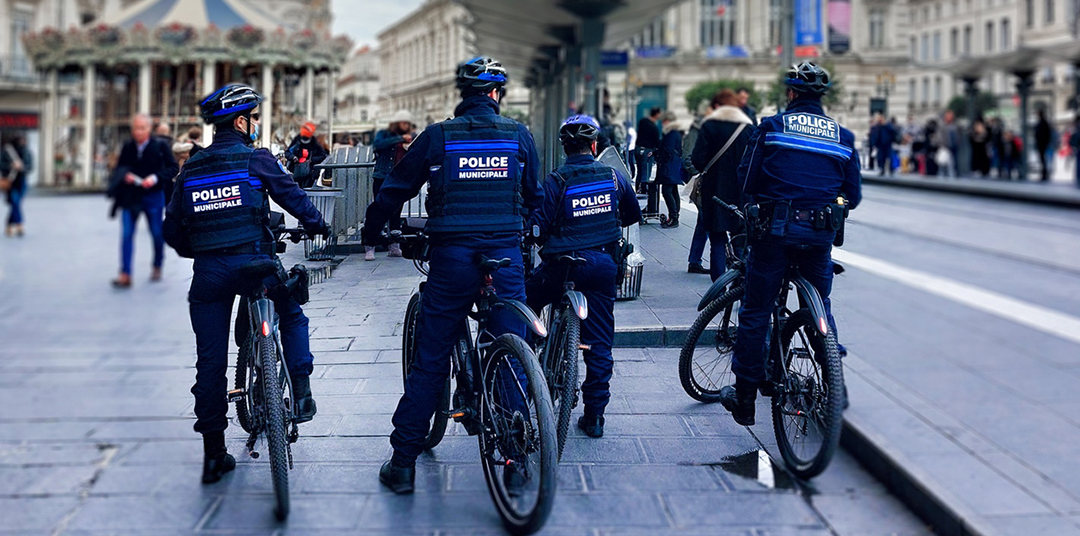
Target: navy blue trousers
(214, 287)
(596, 280)
(453, 285)
(768, 261)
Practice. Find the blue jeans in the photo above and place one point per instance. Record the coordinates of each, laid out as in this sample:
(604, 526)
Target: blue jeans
(15, 198)
(153, 205)
(453, 285)
(767, 264)
(596, 280)
(214, 286)
(717, 254)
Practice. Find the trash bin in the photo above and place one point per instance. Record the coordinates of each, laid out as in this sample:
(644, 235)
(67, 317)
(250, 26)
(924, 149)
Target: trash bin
(325, 200)
(635, 267)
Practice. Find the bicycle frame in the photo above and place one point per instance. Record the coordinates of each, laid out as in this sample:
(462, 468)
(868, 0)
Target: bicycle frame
(809, 298)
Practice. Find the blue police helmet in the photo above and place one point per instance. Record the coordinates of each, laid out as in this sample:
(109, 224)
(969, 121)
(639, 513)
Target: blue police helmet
(579, 127)
(480, 75)
(229, 102)
(808, 78)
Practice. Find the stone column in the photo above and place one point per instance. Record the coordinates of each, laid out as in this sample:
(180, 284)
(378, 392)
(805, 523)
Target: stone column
(209, 84)
(145, 70)
(266, 109)
(50, 120)
(1023, 86)
(89, 119)
(309, 94)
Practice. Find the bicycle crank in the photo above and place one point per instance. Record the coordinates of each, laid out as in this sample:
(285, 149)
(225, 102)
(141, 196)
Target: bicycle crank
(235, 395)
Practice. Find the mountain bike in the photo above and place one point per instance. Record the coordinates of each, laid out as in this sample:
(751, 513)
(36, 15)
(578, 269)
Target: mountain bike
(263, 388)
(514, 423)
(804, 374)
(559, 352)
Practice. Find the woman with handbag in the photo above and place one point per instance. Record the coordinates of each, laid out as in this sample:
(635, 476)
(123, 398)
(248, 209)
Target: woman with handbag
(670, 172)
(15, 163)
(724, 136)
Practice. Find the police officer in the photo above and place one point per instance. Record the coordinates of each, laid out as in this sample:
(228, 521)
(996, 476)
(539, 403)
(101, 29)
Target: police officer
(796, 164)
(585, 204)
(218, 216)
(482, 171)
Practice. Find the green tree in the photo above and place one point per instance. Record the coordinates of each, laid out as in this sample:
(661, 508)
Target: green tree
(984, 102)
(516, 114)
(704, 91)
(777, 93)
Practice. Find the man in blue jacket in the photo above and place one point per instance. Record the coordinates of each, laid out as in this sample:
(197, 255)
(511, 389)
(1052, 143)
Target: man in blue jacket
(389, 146)
(482, 171)
(796, 164)
(218, 215)
(586, 204)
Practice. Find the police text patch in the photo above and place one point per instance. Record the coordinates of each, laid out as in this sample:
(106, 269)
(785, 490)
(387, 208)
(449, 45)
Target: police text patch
(590, 199)
(217, 198)
(813, 126)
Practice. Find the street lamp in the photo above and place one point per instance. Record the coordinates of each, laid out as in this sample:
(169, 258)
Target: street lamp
(886, 82)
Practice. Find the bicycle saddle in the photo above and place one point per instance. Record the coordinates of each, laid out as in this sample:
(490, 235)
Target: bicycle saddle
(490, 265)
(570, 260)
(258, 270)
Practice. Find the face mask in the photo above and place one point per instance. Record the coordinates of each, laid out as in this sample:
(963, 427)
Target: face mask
(254, 135)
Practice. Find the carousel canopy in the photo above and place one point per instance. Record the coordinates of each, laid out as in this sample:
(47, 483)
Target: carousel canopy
(195, 13)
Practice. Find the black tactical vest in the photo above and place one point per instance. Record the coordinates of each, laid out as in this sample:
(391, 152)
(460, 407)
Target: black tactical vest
(588, 214)
(478, 186)
(223, 205)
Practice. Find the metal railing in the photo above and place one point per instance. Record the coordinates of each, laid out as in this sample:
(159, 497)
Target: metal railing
(17, 68)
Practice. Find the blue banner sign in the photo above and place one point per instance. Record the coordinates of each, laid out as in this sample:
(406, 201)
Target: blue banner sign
(808, 27)
(655, 52)
(614, 58)
(731, 51)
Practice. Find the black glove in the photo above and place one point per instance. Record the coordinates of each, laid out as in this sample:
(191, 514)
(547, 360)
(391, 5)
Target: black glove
(322, 229)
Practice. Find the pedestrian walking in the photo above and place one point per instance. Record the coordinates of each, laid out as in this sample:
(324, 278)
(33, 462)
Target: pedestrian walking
(15, 162)
(648, 145)
(701, 231)
(980, 148)
(670, 172)
(137, 187)
(389, 145)
(1074, 142)
(1044, 138)
(725, 134)
(886, 136)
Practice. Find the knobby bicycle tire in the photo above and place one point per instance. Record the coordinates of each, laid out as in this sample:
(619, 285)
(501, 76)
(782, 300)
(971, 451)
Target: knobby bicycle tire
(408, 357)
(275, 424)
(244, 360)
(543, 438)
(565, 363)
(717, 371)
(825, 405)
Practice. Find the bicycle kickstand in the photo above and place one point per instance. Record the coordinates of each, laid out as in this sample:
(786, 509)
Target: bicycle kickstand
(251, 445)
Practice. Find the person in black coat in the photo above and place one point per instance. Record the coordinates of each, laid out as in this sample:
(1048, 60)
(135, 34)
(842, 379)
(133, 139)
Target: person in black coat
(671, 174)
(648, 143)
(145, 167)
(1044, 135)
(15, 162)
(305, 152)
(720, 179)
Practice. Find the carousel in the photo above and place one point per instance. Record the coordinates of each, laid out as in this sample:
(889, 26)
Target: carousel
(160, 57)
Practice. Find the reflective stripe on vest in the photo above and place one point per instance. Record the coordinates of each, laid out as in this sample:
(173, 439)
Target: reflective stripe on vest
(478, 185)
(588, 213)
(223, 205)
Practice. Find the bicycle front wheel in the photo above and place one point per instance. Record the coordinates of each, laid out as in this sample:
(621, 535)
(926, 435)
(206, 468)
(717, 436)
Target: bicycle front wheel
(705, 360)
(408, 357)
(563, 373)
(518, 446)
(276, 424)
(807, 409)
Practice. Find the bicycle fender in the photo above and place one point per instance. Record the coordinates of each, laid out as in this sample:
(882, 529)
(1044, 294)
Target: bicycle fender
(525, 313)
(263, 313)
(809, 297)
(578, 303)
(718, 287)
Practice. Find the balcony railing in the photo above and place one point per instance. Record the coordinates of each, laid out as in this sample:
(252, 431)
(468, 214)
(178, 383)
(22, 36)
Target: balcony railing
(16, 68)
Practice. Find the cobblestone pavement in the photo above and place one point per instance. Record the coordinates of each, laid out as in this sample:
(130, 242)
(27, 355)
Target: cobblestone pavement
(96, 438)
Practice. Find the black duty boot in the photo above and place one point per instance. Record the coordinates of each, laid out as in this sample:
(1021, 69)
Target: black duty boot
(400, 480)
(739, 400)
(305, 405)
(216, 460)
(593, 426)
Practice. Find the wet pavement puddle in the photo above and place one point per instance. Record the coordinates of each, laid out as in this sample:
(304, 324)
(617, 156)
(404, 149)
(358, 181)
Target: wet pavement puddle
(756, 465)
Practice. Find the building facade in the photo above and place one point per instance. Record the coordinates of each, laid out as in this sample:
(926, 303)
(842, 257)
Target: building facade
(357, 94)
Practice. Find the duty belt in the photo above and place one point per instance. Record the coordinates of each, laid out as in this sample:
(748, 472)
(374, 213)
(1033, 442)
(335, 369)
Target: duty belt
(251, 248)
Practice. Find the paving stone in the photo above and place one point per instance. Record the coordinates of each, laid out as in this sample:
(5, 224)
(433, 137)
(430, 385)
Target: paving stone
(136, 513)
(36, 515)
(608, 510)
(649, 478)
(689, 509)
(309, 512)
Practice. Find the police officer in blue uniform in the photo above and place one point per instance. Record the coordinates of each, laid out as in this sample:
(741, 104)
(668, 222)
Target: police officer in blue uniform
(218, 215)
(797, 163)
(586, 204)
(482, 174)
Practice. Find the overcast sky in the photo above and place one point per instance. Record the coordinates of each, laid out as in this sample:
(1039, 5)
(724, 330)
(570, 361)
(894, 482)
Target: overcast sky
(362, 20)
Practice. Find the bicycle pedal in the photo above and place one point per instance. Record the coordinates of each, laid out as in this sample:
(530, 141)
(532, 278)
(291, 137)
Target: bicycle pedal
(584, 347)
(235, 395)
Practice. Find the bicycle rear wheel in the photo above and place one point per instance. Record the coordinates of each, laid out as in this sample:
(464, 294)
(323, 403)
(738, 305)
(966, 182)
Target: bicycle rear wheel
(518, 447)
(562, 369)
(408, 357)
(705, 359)
(245, 359)
(276, 424)
(807, 410)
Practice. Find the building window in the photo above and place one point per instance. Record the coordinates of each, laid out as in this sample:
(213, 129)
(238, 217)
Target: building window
(652, 35)
(937, 92)
(877, 28)
(911, 92)
(954, 42)
(924, 48)
(990, 37)
(914, 49)
(1029, 13)
(937, 46)
(955, 8)
(967, 40)
(1006, 34)
(925, 92)
(1050, 11)
(363, 116)
(937, 11)
(775, 11)
(21, 22)
(717, 22)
